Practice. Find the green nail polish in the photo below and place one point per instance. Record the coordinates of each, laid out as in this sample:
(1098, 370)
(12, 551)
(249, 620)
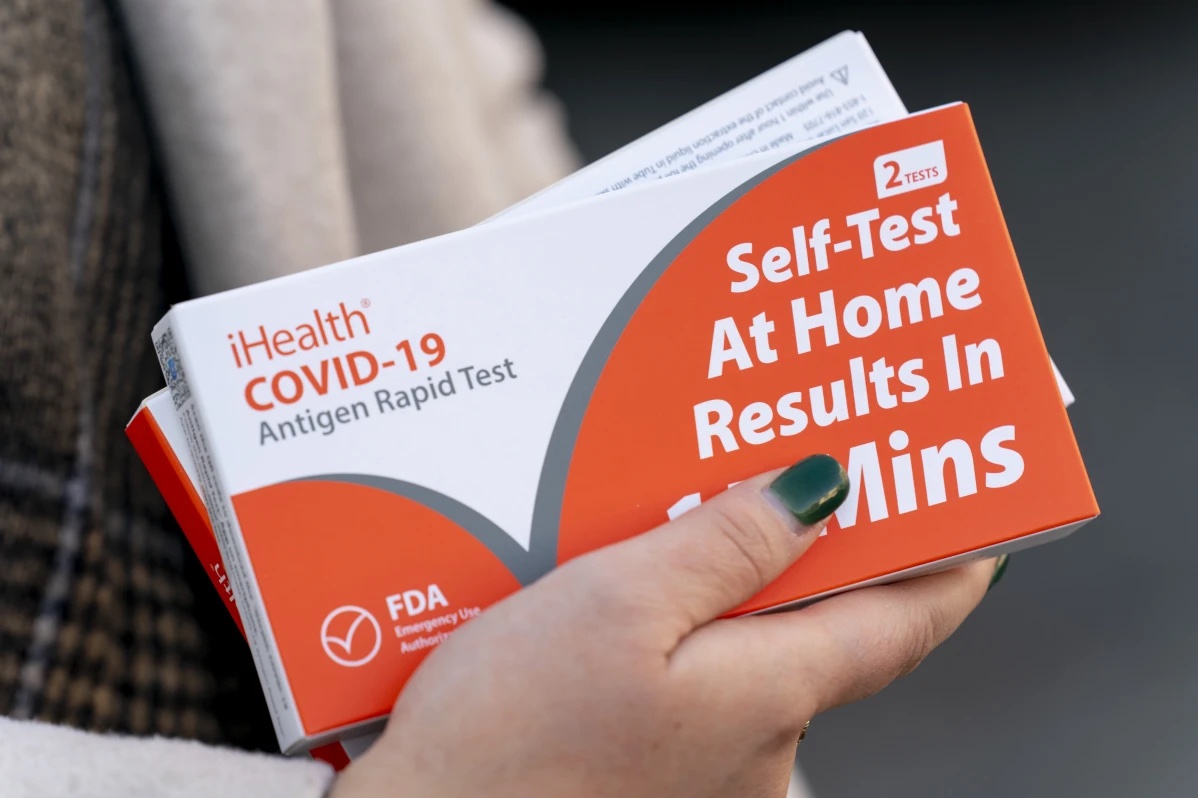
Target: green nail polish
(812, 488)
(1000, 568)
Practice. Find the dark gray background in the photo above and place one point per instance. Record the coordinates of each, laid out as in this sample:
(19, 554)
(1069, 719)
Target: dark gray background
(1079, 676)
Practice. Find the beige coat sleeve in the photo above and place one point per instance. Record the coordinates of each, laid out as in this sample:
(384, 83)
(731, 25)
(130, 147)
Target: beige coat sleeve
(42, 761)
(301, 133)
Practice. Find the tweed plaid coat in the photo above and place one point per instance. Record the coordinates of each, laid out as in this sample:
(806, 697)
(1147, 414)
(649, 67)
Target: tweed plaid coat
(105, 622)
(281, 148)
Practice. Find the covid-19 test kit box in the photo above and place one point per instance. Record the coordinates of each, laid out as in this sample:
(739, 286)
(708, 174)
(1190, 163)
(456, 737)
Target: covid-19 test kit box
(389, 445)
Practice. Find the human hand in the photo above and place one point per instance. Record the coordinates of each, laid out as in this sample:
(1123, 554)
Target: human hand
(615, 675)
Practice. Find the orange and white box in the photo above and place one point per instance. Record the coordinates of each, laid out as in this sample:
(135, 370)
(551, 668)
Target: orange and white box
(834, 87)
(391, 444)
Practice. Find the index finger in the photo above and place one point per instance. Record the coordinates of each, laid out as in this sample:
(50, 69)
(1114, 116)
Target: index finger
(793, 665)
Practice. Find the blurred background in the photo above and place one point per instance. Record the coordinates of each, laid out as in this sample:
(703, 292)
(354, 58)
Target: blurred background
(1079, 676)
(121, 120)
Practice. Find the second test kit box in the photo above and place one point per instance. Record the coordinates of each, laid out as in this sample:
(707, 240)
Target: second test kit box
(389, 445)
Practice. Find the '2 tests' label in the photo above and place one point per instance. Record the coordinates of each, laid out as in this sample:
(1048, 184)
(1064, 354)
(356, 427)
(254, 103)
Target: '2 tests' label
(910, 169)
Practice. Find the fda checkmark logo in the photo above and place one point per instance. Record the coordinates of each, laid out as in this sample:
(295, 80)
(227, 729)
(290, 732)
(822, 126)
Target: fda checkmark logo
(351, 636)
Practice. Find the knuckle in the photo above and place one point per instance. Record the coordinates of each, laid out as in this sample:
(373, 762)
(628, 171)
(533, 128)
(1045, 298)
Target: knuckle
(748, 535)
(926, 628)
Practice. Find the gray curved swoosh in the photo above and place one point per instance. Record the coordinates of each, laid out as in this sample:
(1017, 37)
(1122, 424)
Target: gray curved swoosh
(547, 510)
(526, 566)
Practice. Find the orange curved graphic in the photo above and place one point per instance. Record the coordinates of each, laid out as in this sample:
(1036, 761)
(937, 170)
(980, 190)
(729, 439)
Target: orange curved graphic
(637, 449)
(359, 586)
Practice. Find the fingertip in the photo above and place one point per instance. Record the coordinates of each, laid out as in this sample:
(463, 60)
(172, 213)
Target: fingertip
(999, 570)
(982, 571)
(810, 490)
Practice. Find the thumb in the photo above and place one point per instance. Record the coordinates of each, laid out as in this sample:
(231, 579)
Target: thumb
(723, 552)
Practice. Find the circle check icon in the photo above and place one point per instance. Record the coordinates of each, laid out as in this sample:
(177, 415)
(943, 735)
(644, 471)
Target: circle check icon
(351, 636)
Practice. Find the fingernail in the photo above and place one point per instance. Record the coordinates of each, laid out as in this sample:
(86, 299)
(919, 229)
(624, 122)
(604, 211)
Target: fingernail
(1000, 568)
(812, 488)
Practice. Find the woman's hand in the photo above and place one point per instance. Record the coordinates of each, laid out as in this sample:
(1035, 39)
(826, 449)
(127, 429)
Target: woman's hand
(613, 676)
